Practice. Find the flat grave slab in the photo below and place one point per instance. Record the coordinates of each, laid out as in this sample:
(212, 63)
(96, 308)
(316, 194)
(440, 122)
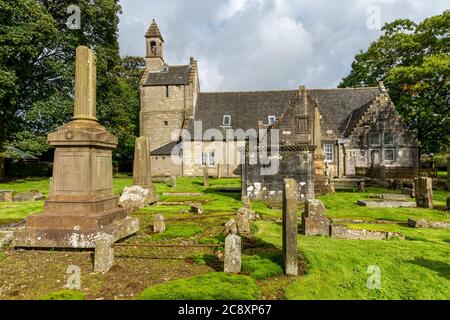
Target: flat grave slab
(386, 204)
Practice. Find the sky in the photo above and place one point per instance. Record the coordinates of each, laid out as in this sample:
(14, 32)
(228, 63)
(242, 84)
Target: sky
(245, 45)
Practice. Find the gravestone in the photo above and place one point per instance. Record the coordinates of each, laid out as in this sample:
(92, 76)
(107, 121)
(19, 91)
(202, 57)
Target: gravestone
(230, 227)
(205, 177)
(362, 186)
(197, 208)
(104, 253)
(243, 225)
(246, 202)
(290, 227)
(142, 169)
(6, 196)
(159, 226)
(233, 260)
(314, 221)
(424, 192)
(174, 181)
(248, 213)
(133, 198)
(81, 204)
(28, 196)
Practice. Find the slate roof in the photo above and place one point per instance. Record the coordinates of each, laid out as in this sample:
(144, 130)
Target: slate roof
(153, 31)
(173, 75)
(247, 108)
(164, 150)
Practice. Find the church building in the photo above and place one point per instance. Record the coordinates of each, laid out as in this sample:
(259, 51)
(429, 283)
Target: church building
(347, 131)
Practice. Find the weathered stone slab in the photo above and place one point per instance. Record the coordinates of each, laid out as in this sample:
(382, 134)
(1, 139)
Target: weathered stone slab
(6, 196)
(104, 253)
(314, 220)
(342, 232)
(390, 196)
(290, 227)
(28, 196)
(246, 202)
(134, 197)
(230, 227)
(5, 238)
(248, 213)
(386, 204)
(159, 226)
(424, 192)
(174, 181)
(424, 223)
(205, 177)
(233, 248)
(142, 168)
(243, 225)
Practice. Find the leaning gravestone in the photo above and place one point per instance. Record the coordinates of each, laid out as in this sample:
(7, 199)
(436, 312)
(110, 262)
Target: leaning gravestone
(290, 227)
(81, 204)
(159, 226)
(230, 227)
(142, 169)
(243, 225)
(424, 192)
(233, 260)
(314, 221)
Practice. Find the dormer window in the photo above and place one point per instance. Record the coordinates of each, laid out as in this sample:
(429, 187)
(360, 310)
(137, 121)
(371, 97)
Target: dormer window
(227, 120)
(272, 120)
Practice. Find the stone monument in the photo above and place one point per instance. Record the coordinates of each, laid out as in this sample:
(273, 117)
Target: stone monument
(314, 221)
(424, 192)
(290, 227)
(81, 204)
(142, 170)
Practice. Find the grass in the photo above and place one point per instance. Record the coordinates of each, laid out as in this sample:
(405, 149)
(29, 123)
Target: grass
(260, 267)
(337, 269)
(64, 295)
(211, 286)
(185, 230)
(343, 205)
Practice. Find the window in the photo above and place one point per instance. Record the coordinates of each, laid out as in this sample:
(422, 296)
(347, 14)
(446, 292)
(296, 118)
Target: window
(375, 139)
(389, 155)
(328, 152)
(227, 120)
(302, 125)
(166, 123)
(208, 159)
(389, 139)
(153, 48)
(272, 120)
(167, 91)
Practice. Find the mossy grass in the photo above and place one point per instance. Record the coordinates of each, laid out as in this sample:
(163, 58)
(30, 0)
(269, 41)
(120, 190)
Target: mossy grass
(182, 230)
(211, 286)
(64, 295)
(260, 267)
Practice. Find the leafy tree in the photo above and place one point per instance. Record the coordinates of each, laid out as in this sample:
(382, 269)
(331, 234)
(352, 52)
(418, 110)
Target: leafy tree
(413, 60)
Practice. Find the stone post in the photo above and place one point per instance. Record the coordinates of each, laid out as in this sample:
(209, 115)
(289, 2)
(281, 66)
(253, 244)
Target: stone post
(104, 253)
(290, 227)
(142, 175)
(232, 263)
(205, 177)
(230, 227)
(85, 85)
(424, 192)
(159, 226)
(174, 181)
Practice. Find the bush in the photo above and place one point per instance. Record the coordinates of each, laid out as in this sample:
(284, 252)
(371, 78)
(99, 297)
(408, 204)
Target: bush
(212, 286)
(64, 295)
(260, 268)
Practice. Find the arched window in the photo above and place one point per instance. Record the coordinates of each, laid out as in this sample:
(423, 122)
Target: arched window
(153, 48)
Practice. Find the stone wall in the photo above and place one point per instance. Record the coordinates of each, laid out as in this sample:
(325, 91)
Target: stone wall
(163, 166)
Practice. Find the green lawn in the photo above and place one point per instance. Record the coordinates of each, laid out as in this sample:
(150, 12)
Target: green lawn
(415, 268)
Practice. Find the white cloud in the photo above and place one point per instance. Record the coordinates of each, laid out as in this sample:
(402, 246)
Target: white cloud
(264, 44)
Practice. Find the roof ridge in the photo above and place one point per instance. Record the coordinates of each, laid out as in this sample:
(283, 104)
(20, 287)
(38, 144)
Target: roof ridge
(258, 91)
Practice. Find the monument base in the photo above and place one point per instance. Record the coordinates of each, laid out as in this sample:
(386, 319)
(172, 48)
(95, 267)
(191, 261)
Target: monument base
(55, 236)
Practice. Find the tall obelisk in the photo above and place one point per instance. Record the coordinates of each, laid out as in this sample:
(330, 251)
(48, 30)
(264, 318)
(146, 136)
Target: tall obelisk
(81, 203)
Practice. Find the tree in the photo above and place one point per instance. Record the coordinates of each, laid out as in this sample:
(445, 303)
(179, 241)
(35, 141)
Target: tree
(413, 60)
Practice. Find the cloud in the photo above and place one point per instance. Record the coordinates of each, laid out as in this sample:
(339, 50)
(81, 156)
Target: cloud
(263, 44)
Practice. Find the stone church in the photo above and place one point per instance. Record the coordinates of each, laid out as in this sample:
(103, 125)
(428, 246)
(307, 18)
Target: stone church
(346, 131)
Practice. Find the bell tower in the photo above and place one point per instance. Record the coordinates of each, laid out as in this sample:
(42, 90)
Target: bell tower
(154, 59)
